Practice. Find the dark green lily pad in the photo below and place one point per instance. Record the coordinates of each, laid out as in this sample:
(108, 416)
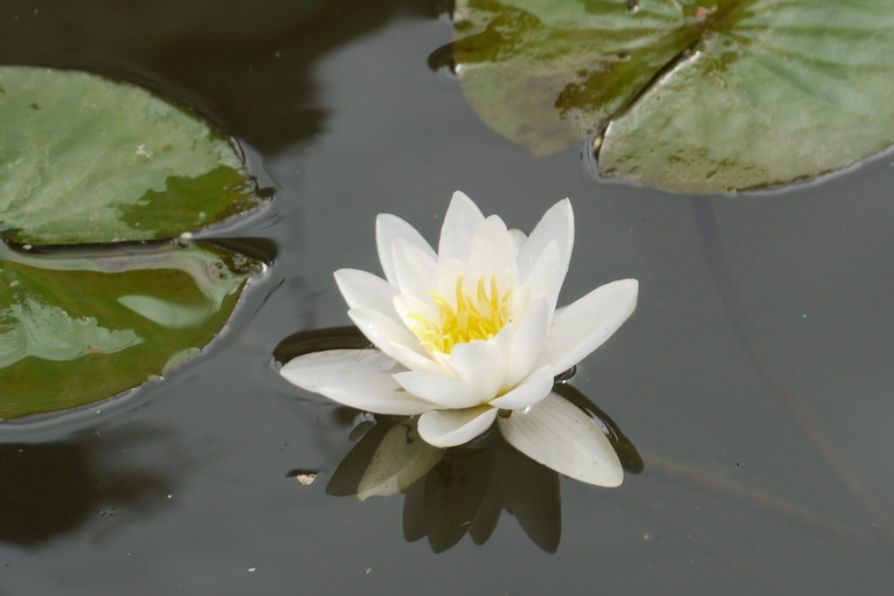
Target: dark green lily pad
(688, 96)
(87, 160)
(82, 327)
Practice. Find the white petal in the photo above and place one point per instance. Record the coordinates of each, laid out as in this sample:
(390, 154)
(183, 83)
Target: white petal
(481, 364)
(519, 238)
(447, 428)
(587, 323)
(545, 277)
(529, 392)
(360, 379)
(415, 360)
(448, 393)
(384, 332)
(528, 338)
(407, 308)
(390, 228)
(415, 270)
(492, 249)
(462, 219)
(557, 224)
(365, 290)
(562, 437)
(401, 459)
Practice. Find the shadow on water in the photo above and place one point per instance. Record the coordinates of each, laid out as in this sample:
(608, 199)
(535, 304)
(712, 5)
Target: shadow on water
(449, 493)
(52, 489)
(248, 64)
(317, 340)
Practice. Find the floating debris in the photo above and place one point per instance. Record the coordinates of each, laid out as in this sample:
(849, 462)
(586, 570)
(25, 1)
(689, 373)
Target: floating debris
(304, 477)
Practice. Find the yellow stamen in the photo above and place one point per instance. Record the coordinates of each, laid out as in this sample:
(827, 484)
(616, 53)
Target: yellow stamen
(474, 317)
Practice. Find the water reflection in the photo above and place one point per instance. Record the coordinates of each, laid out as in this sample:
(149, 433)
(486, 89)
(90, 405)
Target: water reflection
(454, 492)
(249, 66)
(449, 493)
(464, 490)
(51, 489)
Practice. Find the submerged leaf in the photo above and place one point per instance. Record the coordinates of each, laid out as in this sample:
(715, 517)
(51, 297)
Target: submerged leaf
(81, 328)
(87, 160)
(691, 97)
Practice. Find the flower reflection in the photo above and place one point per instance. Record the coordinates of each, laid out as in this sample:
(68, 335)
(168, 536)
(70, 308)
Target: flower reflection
(449, 493)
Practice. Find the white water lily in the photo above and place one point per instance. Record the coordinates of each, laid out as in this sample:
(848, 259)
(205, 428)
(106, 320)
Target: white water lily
(471, 330)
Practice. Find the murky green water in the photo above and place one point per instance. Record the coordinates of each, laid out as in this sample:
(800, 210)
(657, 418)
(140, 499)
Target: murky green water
(754, 378)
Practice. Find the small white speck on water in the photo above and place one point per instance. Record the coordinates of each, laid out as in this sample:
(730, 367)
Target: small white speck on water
(804, 316)
(369, 570)
(305, 478)
(251, 569)
(170, 496)
(27, 247)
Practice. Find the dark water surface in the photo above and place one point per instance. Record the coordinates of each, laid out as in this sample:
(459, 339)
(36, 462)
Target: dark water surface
(755, 377)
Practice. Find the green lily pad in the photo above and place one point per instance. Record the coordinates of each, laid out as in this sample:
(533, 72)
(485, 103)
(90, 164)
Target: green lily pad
(84, 159)
(697, 97)
(77, 328)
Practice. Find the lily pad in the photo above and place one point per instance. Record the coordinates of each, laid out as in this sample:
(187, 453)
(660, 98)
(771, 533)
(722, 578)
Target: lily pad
(78, 328)
(689, 96)
(84, 159)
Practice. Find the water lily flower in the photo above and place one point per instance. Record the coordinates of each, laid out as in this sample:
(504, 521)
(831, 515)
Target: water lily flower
(471, 330)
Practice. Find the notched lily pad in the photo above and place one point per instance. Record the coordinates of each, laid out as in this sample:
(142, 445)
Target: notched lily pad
(689, 96)
(87, 160)
(78, 328)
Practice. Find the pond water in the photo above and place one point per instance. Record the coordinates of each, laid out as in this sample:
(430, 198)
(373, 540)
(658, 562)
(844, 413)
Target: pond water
(754, 378)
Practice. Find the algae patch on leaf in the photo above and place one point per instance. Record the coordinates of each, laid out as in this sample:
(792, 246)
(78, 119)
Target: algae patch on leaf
(84, 159)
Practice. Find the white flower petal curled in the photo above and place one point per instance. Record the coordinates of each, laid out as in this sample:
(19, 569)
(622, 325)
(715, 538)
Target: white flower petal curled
(383, 332)
(361, 379)
(447, 393)
(587, 323)
(479, 364)
(559, 435)
(528, 392)
(365, 290)
(473, 328)
(448, 428)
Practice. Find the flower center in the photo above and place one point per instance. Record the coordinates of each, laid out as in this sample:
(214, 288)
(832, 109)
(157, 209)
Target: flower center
(479, 316)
